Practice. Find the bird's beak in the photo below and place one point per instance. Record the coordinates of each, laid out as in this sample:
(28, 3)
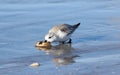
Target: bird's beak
(45, 41)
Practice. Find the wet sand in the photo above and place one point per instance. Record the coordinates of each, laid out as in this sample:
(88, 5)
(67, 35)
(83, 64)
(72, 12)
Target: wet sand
(96, 43)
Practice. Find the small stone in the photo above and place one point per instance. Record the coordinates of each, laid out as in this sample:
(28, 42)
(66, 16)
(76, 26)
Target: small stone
(35, 64)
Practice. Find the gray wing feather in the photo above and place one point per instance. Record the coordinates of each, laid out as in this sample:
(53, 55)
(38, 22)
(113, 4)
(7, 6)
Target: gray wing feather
(69, 29)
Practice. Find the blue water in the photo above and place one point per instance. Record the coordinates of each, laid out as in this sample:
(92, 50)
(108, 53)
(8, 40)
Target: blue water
(96, 41)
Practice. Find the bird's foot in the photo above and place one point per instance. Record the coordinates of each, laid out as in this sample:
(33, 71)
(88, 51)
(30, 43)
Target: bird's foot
(62, 42)
(70, 41)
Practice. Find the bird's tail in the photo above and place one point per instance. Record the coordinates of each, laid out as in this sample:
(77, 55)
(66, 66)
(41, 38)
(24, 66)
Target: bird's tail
(76, 25)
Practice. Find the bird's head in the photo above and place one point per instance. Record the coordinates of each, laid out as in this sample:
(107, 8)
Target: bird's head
(50, 37)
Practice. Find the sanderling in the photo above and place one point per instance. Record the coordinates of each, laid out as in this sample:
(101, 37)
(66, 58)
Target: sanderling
(61, 33)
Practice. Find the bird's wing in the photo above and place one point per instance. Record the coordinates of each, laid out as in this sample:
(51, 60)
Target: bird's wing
(66, 29)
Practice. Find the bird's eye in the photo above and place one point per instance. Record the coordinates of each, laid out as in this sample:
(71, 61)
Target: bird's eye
(49, 37)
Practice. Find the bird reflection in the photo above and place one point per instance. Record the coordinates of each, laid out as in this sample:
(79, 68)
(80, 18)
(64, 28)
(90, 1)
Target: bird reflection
(64, 60)
(62, 54)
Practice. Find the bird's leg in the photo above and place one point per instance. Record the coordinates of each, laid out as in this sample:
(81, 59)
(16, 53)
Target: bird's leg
(62, 42)
(70, 41)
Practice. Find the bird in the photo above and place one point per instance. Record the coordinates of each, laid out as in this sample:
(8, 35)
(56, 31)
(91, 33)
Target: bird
(61, 33)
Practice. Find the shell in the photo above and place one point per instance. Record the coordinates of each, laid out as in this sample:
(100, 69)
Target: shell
(35, 64)
(43, 44)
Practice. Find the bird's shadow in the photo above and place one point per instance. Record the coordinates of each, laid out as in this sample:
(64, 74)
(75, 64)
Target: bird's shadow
(63, 54)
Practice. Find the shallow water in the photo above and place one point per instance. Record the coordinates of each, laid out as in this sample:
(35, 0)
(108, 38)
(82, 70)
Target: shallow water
(95, 48)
